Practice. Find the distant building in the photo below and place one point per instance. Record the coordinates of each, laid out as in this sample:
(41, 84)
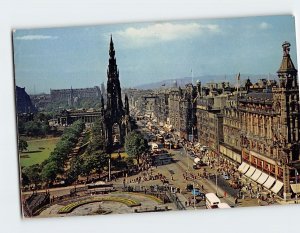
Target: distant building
(182, 111)
(72, 95)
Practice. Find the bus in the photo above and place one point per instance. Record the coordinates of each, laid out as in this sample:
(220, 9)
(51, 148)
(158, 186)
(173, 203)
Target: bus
(212, 201)
(223, 205)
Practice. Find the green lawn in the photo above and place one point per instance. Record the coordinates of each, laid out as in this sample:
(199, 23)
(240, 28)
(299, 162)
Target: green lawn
(38, 151)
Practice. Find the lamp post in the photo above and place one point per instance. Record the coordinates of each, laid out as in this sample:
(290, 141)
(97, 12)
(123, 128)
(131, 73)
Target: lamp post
(216, 183)
(109, 172)
(194, 193)
(296, 179)
(218, 144)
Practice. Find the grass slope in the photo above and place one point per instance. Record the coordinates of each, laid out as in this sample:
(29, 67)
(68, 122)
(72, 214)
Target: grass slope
(38, 151)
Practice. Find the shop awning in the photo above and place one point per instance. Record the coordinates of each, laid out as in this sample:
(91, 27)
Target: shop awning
(295, 188)
(262, 179)
(245, 168)
(250, 172)
(270, 181)
(256, 175)
(240, 169)
(278, 185)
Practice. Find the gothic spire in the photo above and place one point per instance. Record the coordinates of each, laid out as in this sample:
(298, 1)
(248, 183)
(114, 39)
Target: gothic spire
(287, 65)
(126, 105)
(111, 48)
(113, 90)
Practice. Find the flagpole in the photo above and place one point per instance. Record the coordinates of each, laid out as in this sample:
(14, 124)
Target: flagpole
(238, 84)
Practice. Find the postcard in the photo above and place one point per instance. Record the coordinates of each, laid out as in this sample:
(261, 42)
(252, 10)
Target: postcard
(157, 116)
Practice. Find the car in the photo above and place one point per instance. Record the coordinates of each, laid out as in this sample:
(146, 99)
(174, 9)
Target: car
(189, 187)
(204, 148)
(197, 192)
(226, 176)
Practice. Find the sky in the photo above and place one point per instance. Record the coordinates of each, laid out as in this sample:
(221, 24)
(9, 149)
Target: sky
(77, 57)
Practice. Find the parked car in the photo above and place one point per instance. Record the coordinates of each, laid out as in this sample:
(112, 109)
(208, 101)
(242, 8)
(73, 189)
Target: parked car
(189, 187)
(226, 176)
(204, 148)
(197, 193)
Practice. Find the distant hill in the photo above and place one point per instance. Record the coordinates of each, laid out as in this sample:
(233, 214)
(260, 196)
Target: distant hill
(205, 79)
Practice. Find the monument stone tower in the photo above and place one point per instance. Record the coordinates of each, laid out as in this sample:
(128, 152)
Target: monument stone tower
(115, 112)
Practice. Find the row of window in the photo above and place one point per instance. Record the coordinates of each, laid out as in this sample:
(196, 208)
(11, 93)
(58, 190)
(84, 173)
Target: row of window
(263, 165)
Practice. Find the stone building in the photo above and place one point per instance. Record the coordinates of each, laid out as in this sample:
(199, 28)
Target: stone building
(72, 95)
(270, 131)
(182, 111)
(209, 121)
(230, 147)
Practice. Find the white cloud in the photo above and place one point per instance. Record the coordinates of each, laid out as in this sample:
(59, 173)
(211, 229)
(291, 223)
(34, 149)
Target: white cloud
(165, 32)
(264, 26)
(36, 37)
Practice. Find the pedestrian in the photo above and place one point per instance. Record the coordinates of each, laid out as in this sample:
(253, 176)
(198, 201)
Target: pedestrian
(236, 201)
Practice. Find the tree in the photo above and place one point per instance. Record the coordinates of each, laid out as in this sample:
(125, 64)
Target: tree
(23, 145)
(87, 166)
(76, 168)
(97, 140)
(33, 173)
(25, 180)
(50, 171)
(94, 162)
(100, 161)
(135, 145)
(32, 128)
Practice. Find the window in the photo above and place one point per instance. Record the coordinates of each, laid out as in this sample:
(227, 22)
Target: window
(272, 168)
(259, 163)
(280, 172)
(267, 166)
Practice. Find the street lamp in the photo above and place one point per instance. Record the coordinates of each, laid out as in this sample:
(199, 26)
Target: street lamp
(109, 170)
(296, 179)
(194, 193)
(216, 183)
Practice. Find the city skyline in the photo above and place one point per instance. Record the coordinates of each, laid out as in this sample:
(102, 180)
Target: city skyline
(149, 52)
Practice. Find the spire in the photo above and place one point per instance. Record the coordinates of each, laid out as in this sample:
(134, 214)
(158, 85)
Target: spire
(126, 105)
(287, 65)
(113, 89)
(102, 102)
(111, 48)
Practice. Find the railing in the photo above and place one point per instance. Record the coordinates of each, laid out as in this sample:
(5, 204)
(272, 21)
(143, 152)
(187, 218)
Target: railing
(173, 197)
(34, 203)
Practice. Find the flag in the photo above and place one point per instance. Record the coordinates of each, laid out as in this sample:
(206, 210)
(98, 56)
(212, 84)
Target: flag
(239, 77)
(163, 85)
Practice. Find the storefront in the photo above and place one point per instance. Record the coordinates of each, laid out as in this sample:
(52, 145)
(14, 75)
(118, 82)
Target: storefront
(228, 153)
(262, 170)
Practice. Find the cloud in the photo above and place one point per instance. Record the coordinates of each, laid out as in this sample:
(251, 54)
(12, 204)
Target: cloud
(36, 37)
(159, 32)
(264, 26)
